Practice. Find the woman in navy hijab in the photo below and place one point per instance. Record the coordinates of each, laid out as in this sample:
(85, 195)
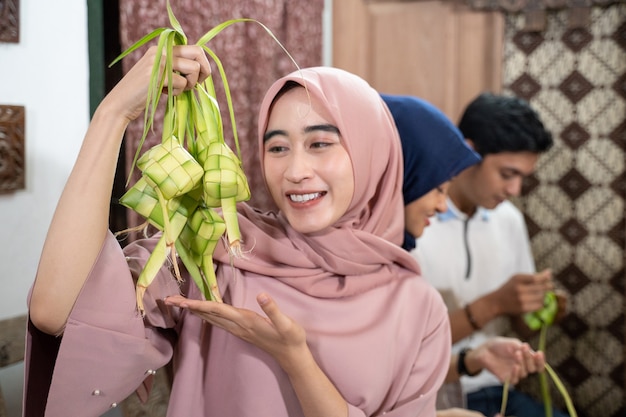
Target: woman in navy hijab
(434, 152)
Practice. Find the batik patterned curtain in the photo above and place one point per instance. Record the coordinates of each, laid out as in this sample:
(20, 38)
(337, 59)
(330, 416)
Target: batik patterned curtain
(574, 74)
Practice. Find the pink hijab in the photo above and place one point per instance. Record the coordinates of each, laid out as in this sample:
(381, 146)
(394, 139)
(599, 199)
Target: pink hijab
(362, 250)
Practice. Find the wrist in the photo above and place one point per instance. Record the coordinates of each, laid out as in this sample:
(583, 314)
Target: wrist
(107, 116)
(487, 308)
(465, 363)
(296, 361)
(109, 112)
(474, 359)
(490, 304)
(469, 315)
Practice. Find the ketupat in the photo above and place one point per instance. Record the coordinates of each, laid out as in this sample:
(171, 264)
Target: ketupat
(191, 172)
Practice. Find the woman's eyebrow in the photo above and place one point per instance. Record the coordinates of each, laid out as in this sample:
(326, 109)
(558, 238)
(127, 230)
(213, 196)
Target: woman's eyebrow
(271, 133)
(313, 128)
(324, 128)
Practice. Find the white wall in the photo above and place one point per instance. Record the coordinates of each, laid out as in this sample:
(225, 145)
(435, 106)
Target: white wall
(47, 73)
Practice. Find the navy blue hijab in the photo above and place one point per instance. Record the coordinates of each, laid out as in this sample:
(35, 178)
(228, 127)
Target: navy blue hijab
(433, 148)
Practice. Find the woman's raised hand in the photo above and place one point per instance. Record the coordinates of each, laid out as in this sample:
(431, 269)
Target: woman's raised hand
(128, 98)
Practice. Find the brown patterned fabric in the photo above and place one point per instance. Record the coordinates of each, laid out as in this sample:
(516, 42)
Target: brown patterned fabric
(252, 60)
(575, 202)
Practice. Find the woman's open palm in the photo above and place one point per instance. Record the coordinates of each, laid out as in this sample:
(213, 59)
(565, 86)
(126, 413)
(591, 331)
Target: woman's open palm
(276, 334)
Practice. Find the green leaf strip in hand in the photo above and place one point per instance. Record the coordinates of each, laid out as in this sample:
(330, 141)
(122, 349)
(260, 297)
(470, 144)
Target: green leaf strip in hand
(545, 315)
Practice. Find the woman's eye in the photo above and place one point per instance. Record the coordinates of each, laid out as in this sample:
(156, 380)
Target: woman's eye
(275, 149)
(319, 145)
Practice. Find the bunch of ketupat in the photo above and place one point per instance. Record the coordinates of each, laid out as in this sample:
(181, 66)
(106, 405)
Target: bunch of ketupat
(190, 173)
(541, 320)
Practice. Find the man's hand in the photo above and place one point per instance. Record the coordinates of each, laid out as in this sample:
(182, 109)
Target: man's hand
(523, 293)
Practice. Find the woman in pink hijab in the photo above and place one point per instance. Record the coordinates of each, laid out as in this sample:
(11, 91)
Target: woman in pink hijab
(326, 315)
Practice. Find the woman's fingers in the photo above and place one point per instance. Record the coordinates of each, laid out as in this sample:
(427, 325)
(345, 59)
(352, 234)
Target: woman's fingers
(269, 307)
(233, 319)
(193, 62)
(289, 332)
(532, 362)
(535, 362)
(203, 307)
(174, 300)
(190, 66)
(277, 333)
(514, 377)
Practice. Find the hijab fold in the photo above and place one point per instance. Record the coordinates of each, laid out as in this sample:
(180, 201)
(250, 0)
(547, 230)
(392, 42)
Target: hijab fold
(362, 250)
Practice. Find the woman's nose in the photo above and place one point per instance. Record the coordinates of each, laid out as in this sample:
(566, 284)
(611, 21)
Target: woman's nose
(442, 206)
(299, 167)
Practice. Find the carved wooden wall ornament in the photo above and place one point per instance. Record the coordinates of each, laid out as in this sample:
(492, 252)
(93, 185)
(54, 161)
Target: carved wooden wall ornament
(11, 148)
(10, 21)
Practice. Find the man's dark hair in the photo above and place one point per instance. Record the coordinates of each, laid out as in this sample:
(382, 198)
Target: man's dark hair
(497, 123)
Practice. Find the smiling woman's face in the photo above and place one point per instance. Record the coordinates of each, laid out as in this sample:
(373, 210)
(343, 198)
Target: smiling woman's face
(417, 212)
(307, 169)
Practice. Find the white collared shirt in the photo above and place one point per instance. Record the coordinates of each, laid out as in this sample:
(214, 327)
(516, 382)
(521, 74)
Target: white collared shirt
(465, 258)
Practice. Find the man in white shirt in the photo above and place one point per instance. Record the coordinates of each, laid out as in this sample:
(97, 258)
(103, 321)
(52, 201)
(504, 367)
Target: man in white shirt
(478, 253)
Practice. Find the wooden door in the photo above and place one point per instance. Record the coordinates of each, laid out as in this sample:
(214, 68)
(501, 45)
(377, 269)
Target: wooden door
(438, 50)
